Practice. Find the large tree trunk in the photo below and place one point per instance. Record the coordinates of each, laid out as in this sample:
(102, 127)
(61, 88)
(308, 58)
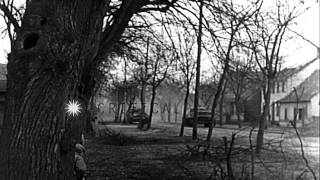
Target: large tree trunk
(86, 89)
(44, 71)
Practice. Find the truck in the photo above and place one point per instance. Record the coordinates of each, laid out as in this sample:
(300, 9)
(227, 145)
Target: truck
(204, 117)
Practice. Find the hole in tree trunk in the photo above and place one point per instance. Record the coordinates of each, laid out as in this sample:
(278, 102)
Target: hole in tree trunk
(30, 41)
(43, 21)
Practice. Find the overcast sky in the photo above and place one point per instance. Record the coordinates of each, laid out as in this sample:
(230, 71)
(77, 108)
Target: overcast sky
(297, 51)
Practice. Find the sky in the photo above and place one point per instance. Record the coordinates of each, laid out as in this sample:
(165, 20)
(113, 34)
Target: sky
(297, 51)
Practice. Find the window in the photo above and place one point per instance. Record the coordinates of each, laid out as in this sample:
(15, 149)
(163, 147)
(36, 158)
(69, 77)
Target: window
(298, 114)
(285, 114)
(278, 87)
(277, 109)
(301, 113)
(283, 86)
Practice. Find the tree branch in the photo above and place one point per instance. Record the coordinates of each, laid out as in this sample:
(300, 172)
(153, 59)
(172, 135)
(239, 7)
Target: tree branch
(9, 15)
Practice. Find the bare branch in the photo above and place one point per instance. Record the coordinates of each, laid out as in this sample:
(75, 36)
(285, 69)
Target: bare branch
(10, 16)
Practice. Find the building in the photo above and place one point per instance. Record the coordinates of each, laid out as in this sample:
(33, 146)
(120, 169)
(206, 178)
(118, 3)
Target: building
(250, 101)
(287, 80)
(302, 104)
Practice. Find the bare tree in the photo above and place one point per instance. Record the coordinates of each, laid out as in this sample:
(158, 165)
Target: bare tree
(187, 67)
(159, 68)
(239, 81)
(266, 36)
(231, 19)
(144, 78)
(58, 47)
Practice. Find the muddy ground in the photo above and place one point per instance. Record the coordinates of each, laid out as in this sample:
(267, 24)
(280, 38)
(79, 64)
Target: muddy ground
(124, 152)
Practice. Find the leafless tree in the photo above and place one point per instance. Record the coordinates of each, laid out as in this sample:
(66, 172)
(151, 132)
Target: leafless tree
(230, 19)
(55, 55)
(159, 72)
(238, 77)
(186, 65)
(266, 35)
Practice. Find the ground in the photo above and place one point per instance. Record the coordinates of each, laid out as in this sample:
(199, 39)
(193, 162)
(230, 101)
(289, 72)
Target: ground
(125, 152)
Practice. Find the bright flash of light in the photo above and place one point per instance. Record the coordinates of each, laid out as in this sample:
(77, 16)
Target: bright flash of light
(73, 108)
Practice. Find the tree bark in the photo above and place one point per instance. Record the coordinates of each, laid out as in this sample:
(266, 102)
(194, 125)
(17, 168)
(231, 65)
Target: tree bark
(216, 98)
(153, 96)
(44, 71)
(196, 95)
(238, 112)
(86, 90)
(144, 74)
(185, 107)
(221, 104)
(263, 119)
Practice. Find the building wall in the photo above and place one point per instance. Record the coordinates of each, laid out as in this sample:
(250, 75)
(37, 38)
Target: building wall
(290, 83)
(253, 108)
(315, 106)
(312, 111)
(250, 112)
(290, 110)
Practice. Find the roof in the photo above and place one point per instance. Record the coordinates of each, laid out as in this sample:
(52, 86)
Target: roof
(305, 91)
(288, 72)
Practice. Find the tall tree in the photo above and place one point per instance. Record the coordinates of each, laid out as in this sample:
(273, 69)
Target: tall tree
(231, 20)
(238, 77)
(186, 66)
(159, 68)
(144, 78)
(196, 95)
(266, 36)
(59, 45)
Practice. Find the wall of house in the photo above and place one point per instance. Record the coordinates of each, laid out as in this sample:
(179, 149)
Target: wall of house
(290, 112)
(292, 82)
(252, 108)
(315, 106)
